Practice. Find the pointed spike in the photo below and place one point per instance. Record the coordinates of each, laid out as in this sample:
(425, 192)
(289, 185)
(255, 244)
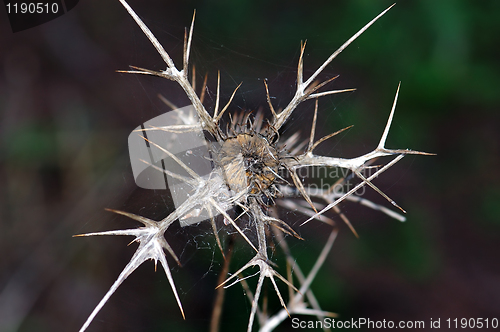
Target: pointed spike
(316, 87)
(166, 102)
(378, 207)
(305, 210)
(300, 69)
(381, 145)
(406, 151)
(346, 221)
(203, 89)
(315, 312)
(286, 228)
(287, 231)
(279, 295)
(255, 302)
(288, 283)
(131, 232)
(143, 71)
(326, 93)
(313, 128)
(245, 211)
(174, 175)
(302, 191)
(184, 59)
(269, 101)
(324, 138)
(140, 256)
(187, 46)
(166, 268)
(241, 279)
(149, 34)
(235, 275)
(143, 220)
(344, 46)
(218, 208)
(300, 94)
(174, 157)
(173, 73)
(353, 190)
(228, 103)
(167, 247)
(193, 78)
(218, 96)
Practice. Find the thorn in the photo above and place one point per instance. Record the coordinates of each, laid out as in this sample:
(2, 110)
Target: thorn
(302, 190)
(166, 102)
(368, 182)
(346, 221)
(399, 207)
(353, 190)
(269, 101)
(228, 103)
(187, 46)
(145, 221)
(224, 213)
(203, 88)
(218, 96)
(324, 138)
(193, 78)
(389, 121)
(149, 35)
(313, 128)
(300, 69)
(326, 93)
(314, 86)
(344, 46)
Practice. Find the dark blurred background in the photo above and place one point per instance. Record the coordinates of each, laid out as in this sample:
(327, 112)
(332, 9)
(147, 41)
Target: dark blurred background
(65, 116)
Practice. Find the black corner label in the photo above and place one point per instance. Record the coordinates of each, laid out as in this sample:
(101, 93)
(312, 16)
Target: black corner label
(25, 14)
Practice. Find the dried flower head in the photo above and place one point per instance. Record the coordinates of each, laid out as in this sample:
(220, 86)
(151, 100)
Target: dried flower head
(253, 170)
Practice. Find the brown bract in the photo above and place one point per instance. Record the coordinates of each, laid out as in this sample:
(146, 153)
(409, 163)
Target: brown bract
(249, 162)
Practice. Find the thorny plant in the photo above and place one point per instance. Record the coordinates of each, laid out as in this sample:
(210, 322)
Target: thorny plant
(249, 158)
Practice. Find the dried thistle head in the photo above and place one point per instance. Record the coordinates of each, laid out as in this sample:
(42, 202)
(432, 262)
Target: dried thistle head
(253, 170)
